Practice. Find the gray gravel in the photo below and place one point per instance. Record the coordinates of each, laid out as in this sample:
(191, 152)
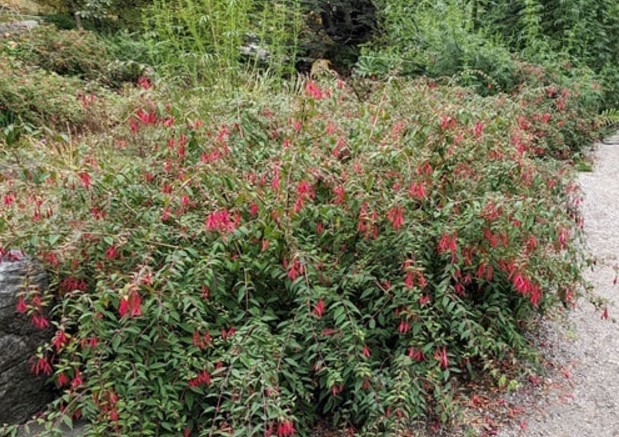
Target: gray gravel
(588, 347)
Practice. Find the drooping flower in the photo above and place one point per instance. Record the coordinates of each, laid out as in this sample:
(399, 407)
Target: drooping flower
(441, 356)
(77, 379)
(285, 428)
(41, 366)
(203, 378)
(85, 179)
(417, 190)
(62, 380)
(416, 354)
(21, 305)
(39, 321)
(144, 83)
(131, 305)
(423, 300)
(319, 308)
(479, 129)
(313, 90)
(448, 243)
(135, 304)
(111, 252)
(123, 307)
(222, 221)
(404, 327)
(396, 216)
(339, 193)
(295, 269)
(366, 351)
(60, 339)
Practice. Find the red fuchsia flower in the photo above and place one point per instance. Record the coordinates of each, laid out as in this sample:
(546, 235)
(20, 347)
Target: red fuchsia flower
(84, 179)
(448, 122)
(222, 221)
(71, 283)
(39, 321)
(396, 216)
(165, 214)
(479, 129)
(131, 305)
(253, 209)
(490, 237)
(265, 245)
(168, 122)
(295, 269)
(564, 236)
(605, 314)
(313, 90)
(340, 194)
(423, 300)
(525, 287)
(417, 190)
(228, 334)
(339, 146)
(8, 199)
(285, 428)
(404, 327)
(77, 379)
(41, 366)
(201, 341)
(523, 123)
(336, 389)
(366, 351)
(320, 227)
(203, 378)
(424, 169)
(62, 380)
(485, 271)
(409, 279)
(60, 339)
(448, 243)
(21, 306)
(135, 304)
(330, 128)
(319, 308)
(123, 307)
(416, 354)
(144, 83)
(111, 252)
(329, 331)
(146, 117)
(276, 176)
(441, 356)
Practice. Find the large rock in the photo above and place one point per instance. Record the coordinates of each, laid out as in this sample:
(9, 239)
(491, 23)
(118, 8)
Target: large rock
(22, 394)
(16, 27)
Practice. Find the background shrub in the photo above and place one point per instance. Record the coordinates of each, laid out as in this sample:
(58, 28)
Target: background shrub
(34, 96)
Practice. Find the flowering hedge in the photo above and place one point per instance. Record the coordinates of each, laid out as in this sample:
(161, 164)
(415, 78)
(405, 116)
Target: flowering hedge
(313, 255)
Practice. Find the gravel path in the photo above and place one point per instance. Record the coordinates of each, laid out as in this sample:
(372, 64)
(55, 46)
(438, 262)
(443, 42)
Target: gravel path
(588, 347)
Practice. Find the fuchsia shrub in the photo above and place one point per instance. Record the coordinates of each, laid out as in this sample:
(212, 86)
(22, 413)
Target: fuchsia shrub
(305, 257)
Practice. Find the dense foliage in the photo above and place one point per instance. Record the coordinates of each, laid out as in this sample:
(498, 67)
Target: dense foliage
(314, 254)
(234, 250)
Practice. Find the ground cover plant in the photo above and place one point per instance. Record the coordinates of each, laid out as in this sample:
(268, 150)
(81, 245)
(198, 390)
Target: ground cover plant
(236, 250)
(248, 272)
